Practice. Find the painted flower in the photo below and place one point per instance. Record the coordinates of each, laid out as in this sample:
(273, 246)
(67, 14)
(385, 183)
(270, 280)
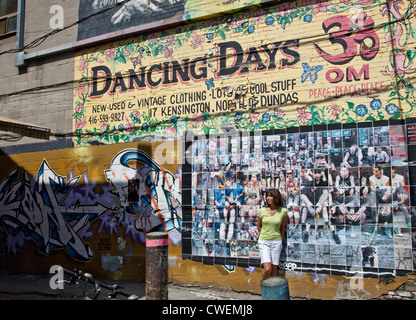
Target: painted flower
(250, 29)
(334, 110)
(320, 6)
(392, 109)
(278, 112)
(110, 53)
(80, 88)
(401, 69)
(126, 52)
(136, 114)
(120, 127)
(269, 21)
(266, 117)
(307, 18)
(236, 23)
(145, 126)
(395, 38)
(129, 127)
(210, 36)
(197, 118)
(103, 127)
(253, 118)
(170, 131)
(174, 119)
(79, 108)
(237, 117)
(361, 110)
(169, 40)
(168, 53)
(82, 65)
(80, 123)
(303, 115)
(393, 7)
(375, 104)
(285, 9)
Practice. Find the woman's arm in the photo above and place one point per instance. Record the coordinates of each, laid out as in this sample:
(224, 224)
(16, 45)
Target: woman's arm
(283, 227)
(259, 225)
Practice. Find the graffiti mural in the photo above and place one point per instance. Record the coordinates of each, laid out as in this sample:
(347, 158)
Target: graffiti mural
(58, 213)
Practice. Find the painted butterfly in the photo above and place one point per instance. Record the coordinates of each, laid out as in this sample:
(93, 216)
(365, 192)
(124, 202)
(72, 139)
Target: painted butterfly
(197, 40)
(210, 83)
(312, 73)
(136, 60)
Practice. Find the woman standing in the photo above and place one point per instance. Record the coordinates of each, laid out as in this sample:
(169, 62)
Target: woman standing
(271, 224)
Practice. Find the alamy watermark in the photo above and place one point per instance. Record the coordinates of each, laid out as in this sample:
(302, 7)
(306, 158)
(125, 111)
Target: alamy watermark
(57, 280)
(57, 20)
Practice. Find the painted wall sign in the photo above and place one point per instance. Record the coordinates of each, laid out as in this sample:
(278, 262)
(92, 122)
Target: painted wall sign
(257, 70)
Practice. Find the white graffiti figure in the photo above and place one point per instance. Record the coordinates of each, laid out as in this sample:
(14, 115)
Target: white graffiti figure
(158, 191)
(134, 8)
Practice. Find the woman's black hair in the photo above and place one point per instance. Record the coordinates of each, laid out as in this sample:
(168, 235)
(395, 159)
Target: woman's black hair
(277, 197)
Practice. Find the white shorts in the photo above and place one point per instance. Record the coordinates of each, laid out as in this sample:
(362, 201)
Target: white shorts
(270, 251)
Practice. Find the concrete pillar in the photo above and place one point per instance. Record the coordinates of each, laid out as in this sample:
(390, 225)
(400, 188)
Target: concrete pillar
(157, 266)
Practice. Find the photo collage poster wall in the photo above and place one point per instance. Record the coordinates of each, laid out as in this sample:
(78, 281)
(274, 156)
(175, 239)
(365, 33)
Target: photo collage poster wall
(347, 189)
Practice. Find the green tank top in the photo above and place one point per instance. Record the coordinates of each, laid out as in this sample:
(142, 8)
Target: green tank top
(270, 229)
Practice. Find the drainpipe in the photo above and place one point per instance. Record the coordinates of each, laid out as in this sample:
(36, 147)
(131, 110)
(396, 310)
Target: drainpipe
(20, 33)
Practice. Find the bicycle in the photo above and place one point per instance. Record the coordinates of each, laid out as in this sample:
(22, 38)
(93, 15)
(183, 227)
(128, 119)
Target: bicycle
(113, 290)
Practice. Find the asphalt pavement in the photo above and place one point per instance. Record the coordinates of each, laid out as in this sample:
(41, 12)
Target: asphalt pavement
(14, 286)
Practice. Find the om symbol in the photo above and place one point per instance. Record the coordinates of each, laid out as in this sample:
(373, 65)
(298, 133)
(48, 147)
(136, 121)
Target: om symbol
(353, 34)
